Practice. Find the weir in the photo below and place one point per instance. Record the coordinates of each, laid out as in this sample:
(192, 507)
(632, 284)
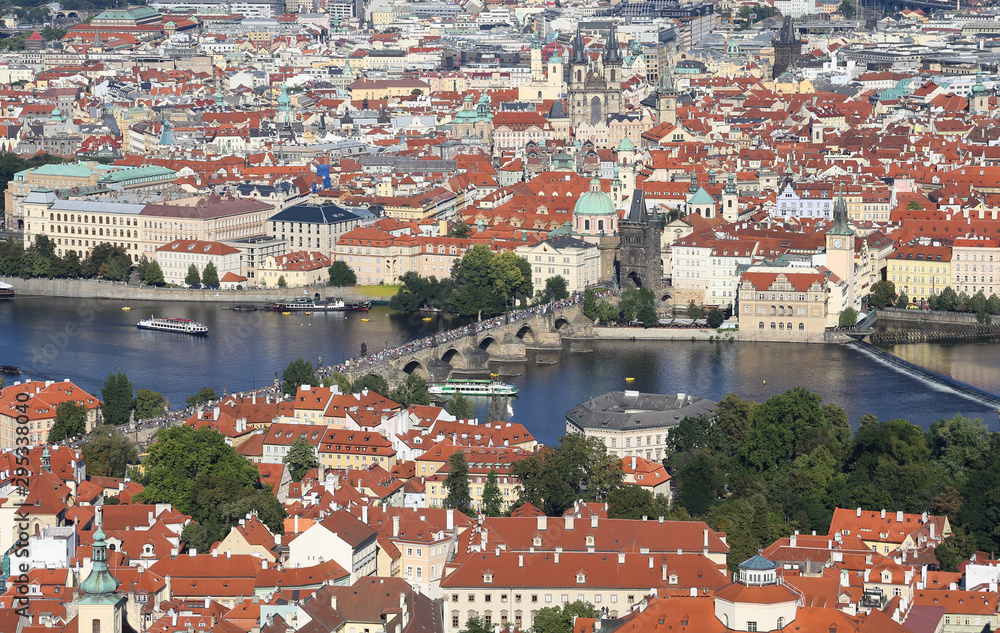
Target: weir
(939, 380)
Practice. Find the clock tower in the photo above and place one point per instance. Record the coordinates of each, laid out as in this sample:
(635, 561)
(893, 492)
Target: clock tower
(840, 248)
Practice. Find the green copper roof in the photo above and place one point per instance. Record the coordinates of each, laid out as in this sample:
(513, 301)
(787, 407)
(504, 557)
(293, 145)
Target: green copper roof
(137, 172)
(701, 197)
(100, 585)
(74, 170)
(840, 225)
(626, 145)
(594, 202)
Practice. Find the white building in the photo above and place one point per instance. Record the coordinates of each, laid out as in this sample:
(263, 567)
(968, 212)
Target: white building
(176, 258)
(339, 537)
(578, 262)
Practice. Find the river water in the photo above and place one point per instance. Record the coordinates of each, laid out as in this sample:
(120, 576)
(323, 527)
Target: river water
(84, 340)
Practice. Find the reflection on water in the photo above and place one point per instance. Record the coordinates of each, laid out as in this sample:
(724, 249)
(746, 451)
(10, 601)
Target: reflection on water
(83, 340)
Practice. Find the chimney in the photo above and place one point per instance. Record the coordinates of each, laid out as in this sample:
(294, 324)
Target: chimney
(858, 513)
(263, 564)
(794, 539)
(621, 558)
(215, 553)
(520, 560)
(555, 556)
(542, 523)
(192, 552)
(570, 519)
(395, 526)
(704, 541)
(663, 572)
(883, 513)
(661, 519)
(899, 516)
(296, 528)
(229, 553)
(449, 517)
(931, 528)
(593, 521)
(364, 514)
(633, 462)
(333, 602)
(650, 562)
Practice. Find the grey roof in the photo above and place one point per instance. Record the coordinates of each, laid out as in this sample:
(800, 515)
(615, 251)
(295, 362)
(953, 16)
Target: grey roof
(631, 410)
(314, 214)
(97, 207)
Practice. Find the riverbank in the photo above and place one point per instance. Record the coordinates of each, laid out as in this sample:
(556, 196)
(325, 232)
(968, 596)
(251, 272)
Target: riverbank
(660, 334)
(95, 289)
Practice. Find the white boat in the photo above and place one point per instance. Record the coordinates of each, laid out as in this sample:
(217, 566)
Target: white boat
(172, 324)
(473, 388)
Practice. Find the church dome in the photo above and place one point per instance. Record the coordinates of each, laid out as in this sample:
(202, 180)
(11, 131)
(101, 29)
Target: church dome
(595, 202)
(626, 145)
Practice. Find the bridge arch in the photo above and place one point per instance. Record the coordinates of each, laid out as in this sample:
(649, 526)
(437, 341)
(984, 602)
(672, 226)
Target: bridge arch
(451, 354)
(526, 334)
(488, 343)
(561, 323)
(416, 367)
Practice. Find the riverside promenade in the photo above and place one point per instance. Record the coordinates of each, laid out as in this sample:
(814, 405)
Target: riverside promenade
(95, 289)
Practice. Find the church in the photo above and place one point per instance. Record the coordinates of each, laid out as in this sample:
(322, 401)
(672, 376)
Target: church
(595, 86)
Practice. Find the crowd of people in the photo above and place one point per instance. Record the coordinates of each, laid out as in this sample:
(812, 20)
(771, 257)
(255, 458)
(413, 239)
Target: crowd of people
(442, 338)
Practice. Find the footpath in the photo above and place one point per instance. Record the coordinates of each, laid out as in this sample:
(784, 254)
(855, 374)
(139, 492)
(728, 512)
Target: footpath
(96, 289)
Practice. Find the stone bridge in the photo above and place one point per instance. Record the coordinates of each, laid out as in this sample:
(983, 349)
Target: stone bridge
(472, 352)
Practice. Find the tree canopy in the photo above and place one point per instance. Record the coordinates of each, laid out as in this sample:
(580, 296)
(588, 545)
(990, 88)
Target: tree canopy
(119, 400)
(341, 274)
(71, 421)
(109, 452)
(301, 458)
(299, 372)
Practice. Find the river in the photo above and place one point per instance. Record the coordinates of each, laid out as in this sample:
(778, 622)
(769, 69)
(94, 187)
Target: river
(84, 340)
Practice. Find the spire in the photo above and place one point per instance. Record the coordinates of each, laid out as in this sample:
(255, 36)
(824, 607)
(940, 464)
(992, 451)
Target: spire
(100, 585)
(46, 461)
(730, 184)
(578, 46)
(638, 212)
(694, 183)
(840, 221)
(613, 55)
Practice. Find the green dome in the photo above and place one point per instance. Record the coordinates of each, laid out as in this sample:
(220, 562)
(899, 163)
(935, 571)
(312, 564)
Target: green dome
(626, 145)
(595, 202)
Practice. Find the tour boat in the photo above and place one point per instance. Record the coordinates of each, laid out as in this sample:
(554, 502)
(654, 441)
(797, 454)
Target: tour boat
(310, 305)
(244, 307)
(473, 388)
(172, 324)
(6, 290)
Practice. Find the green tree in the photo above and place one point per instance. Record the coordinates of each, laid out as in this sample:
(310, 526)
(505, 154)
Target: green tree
(955, 549)
(281, 281)
(993, 304)
(153, 275)
(476, 624)
(848, 317)
(460, 407)
(299, 372)
(913, 205)
(460, 230)
(70, 422)
(193, 279)
(457, 483)
(883, 293)
(204, 395)
(149, 404)
(556, 620)
(646, 307)
(715, 318)
(978, 302)
(959, 444)
(903, 300)
(590, 304)
(301, 458)
(343, 382)
(50, 33)
(371, 382)
(492, 499)
(695, 312)
(210, 276)
(634, 502)
(700, 482)
(119, 399)
(413, 390)
(555, 289)
(109, 452)
(607, 312)
(947, 300)
(341, 274)
(579, 467)
(847, 8)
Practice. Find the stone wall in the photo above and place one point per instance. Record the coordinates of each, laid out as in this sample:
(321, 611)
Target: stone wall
(921, 316)
(657, 334)
(91, 288)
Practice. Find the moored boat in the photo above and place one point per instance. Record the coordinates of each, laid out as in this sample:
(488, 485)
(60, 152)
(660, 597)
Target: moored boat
(315, 305)
(473, 387)
(172, 324)
(244, 307)
(10, 370)
(6, 290)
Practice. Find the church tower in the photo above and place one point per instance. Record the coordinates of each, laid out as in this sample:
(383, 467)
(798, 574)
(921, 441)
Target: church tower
(787, 49)
(101, 610)
(730, 200)
(840, 247)
(639, 261)
(666, 99)
(980, 95)
(537, 73)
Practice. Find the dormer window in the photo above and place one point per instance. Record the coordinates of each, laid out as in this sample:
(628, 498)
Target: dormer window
(581, 578)
(488, 578)
(673, 579)
(537, 541)
(590, 540)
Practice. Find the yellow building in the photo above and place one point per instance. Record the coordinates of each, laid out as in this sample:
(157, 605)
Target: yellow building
(346, 448)
(920, 271)
(302, 268)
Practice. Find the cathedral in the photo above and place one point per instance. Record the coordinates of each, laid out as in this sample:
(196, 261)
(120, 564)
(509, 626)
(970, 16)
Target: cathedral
(595, 87)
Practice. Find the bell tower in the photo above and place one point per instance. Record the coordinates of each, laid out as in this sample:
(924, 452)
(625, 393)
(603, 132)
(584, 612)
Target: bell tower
(101, 610)
(840, 247)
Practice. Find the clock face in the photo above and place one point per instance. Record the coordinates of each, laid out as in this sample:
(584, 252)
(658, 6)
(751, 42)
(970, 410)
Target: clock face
(838, 243)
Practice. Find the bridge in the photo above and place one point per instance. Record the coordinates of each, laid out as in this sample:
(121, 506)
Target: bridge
(470, 349)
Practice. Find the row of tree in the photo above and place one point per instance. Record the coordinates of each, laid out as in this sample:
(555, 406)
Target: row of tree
(482, 283)
(883, 295)
(106, 261)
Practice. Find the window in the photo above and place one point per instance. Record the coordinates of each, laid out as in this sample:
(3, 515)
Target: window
(454, 619)
(534, 597)
(472, 597)
(751, 626)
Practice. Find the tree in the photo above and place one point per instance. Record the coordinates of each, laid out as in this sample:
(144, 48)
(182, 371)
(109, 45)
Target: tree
(695, 312)
(883, 293)
(206, 394)
(993, 304)
(50, 33)
(590, 304)
(109, 452)
(210, 276)
(460, 230)
(959, 444)
(413, 390)
(847, 8)
(281, 281)
(476, 624)
(715, 318)
(646, 308)
(578, 468)
(341, 274)
(848, 317)
(416, 92)
(343, 382)
(299, 372)
(903, 301)
(457, 483)
(149, 404)
(371, 382)
(700, 481)
(153, 275)
(947, 300)
(913, 205)
(193, 279)
(978, 302)
(607, 312)
(555, 289)
(301, 458)
(955, 549)
(634, 502)
(492, 499)
(460, 407)
(556, 620)
(119, 400)
(70, 422)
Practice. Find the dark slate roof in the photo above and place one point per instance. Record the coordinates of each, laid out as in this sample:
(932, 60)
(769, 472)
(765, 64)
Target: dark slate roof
(314, 214)
(627, 410)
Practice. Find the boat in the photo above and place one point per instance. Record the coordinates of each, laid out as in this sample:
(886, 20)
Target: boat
(629, 379)
(6, 290)
(173, 324)
(126, 308)
(473, 387)
(330, 304)
(244, 307)
(10, 370)
(365, 320)
(427, 319)
(285, 313)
